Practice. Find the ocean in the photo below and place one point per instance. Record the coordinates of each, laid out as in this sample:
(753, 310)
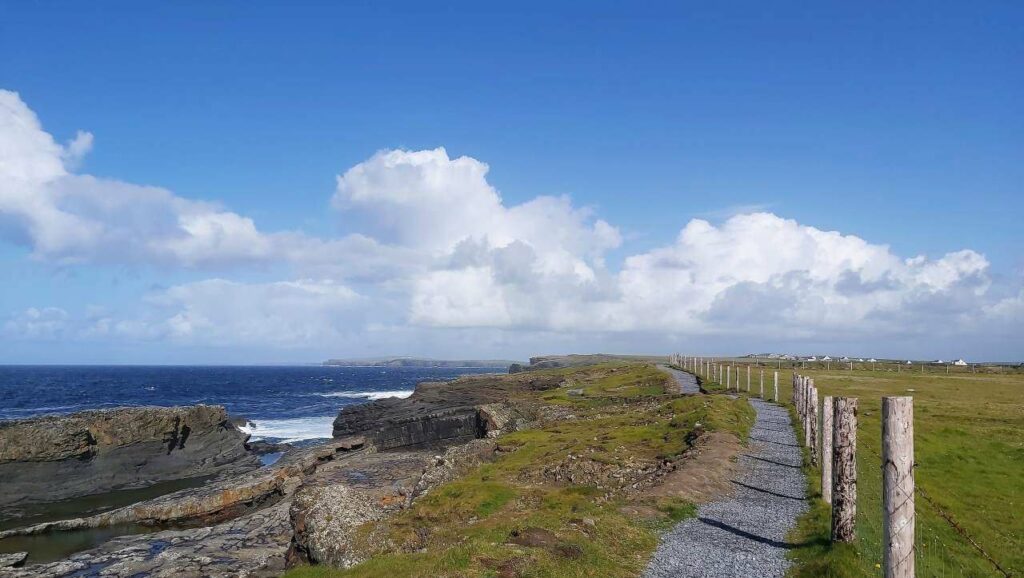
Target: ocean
(282, 403)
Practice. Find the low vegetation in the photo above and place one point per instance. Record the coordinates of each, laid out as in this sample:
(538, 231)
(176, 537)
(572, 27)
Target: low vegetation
(564, 499)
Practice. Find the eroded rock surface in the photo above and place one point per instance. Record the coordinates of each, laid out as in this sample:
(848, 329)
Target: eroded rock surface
(305, 507)
(443, 413)
(338, 498)
(253, 545)
(53, 458)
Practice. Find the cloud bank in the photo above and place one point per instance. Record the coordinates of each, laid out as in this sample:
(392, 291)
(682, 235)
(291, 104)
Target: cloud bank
(433, 251)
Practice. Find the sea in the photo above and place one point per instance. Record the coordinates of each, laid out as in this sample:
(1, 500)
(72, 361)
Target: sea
(291, 404)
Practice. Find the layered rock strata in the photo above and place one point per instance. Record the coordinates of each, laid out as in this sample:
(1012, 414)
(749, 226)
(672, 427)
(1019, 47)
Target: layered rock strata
(53, 458)
(444, 413)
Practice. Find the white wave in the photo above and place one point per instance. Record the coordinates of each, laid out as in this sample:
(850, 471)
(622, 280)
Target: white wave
(290, 430)
(371, 395)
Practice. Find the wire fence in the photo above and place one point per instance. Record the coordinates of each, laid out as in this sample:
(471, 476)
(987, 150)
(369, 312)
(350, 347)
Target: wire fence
(943, 547)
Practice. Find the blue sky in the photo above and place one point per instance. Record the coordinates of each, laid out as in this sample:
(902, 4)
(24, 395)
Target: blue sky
(899, 125)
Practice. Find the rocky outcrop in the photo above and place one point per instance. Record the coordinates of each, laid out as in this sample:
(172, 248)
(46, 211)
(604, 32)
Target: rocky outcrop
(335, 501)
(52, 458)
(220, 500)
(307, 506)
(251, 546)
(442, 414)
(13, 560)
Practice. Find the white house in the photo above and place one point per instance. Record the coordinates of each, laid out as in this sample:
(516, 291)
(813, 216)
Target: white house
(812, 358)
(872, 360)
(826, 358)
(960, 362)
(910, 362)
(844, 358)
(938, 362)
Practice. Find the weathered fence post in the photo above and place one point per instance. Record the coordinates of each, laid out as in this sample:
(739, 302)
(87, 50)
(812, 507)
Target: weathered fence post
(844, 469)
(796, 393)
(775, 396)
(748, 379)
(807, 412)
(898, 486)
(728, 376)
(812, 420)
(826, 449)
(762, 382)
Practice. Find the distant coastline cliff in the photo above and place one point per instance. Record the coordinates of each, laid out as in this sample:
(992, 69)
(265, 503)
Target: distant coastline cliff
(420, 362)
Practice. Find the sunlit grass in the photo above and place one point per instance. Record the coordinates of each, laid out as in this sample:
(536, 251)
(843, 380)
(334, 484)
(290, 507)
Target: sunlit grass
(625, 413)
(969, 451)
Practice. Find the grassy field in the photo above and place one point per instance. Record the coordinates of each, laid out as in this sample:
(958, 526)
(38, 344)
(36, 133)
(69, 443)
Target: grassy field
(622, 415)
(969, 450)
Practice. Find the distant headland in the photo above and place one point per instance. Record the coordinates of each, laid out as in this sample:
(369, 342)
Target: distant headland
(421, 362)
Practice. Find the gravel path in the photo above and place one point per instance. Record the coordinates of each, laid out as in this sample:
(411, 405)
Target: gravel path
(744, 535)
(687, 381)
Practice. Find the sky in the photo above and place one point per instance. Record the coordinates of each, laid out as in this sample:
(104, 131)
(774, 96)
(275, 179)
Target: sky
(253, 182)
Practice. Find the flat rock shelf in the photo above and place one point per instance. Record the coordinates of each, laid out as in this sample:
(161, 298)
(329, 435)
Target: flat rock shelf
(744, 534)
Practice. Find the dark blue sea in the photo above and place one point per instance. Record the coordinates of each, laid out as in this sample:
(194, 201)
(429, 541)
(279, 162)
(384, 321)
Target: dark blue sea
(291, 404)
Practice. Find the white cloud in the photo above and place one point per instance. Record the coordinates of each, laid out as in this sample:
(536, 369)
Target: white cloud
(47, 323)
(287, 314)
(435, 250)
(73, 218)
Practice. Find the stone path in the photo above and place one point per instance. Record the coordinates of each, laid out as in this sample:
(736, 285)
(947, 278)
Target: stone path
(744, 534)
(687, 381)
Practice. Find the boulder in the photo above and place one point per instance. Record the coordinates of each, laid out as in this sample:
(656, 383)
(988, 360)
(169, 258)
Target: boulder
(338, 498)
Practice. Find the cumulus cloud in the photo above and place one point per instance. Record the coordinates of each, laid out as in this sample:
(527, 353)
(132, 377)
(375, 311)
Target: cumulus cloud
(760, 269)
(71, 218)
(432, 248)
(493, 265)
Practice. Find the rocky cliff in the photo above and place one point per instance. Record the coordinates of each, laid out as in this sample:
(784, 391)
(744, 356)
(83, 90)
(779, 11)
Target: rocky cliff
(52, 458)
(443, 413)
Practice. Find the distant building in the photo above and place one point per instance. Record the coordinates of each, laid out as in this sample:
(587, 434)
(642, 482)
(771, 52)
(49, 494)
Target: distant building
(812, 358)
(910, 362)
(826, 358)
(844, 358)
(872, 360)
(960, 362)
(938, 362)
(861, 359)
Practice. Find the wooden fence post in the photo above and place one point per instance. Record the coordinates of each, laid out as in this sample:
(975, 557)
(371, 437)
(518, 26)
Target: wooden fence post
(812, 420)
(807, 412)
(844, 469)
(898, 486)
(748, 379)
(775, 396)
(728, 376)
(762, 382)
(826, 449)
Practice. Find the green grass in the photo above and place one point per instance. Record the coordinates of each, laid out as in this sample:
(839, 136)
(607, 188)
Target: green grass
(462, 528)
(969, 451)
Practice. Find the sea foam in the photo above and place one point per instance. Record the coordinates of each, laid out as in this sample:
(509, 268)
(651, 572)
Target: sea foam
(290, 430)
(371, 395)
